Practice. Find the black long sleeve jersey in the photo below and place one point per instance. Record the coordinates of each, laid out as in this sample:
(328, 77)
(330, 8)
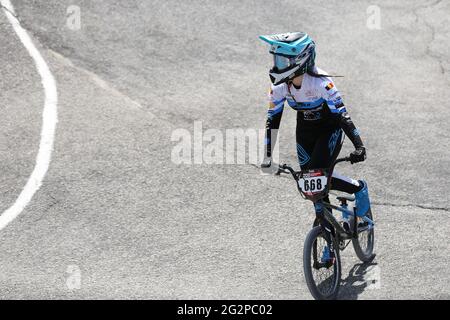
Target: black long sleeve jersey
(319, 105)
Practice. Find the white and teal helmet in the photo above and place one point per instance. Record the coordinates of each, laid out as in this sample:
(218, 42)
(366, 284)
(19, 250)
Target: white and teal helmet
(293, 54)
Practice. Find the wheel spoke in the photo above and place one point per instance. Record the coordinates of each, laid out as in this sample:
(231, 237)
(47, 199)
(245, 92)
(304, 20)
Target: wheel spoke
(324, 276)
(365, 242)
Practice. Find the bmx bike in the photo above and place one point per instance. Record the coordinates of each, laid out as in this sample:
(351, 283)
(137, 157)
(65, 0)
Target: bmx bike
(328, 236)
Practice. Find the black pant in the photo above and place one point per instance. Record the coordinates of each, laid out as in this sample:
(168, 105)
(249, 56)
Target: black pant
(319, 149)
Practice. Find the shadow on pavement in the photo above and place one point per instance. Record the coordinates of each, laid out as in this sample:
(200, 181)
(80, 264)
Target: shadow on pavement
(361, 277)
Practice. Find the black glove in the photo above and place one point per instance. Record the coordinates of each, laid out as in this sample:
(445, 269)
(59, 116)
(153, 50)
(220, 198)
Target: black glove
(358, 155)
(268, 166)
(266, 163)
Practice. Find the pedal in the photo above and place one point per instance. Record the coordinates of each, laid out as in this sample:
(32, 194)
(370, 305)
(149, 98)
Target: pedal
(363, 226)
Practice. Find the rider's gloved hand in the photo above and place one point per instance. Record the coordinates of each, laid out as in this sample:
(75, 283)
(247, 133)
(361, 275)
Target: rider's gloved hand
(358, 155)
(267, 162)
(268, 166)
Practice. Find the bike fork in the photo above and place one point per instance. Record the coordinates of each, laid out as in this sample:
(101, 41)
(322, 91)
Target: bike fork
(329, 231)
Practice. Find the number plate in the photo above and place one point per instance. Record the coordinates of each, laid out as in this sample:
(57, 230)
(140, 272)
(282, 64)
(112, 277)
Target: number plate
(313, 182)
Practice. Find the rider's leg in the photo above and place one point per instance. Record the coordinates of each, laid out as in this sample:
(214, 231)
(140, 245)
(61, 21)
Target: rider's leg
(305, 147)
(362, 200)
(306, 141)
(325, 152)
(318, 149)
(327, 148)
(313, 152)
(357, 187)
(344, 184)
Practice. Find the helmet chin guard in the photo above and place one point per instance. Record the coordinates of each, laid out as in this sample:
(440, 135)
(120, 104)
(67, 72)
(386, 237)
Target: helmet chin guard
(294, 54)
(278, 78)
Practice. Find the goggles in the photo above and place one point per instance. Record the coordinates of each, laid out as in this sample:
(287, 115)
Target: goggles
(281, 62)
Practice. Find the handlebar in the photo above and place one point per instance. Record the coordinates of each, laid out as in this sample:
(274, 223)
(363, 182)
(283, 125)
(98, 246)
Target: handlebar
(287, 169)
(282, 168)
(345, 159)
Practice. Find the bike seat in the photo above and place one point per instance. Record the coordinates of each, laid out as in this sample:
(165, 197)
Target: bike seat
(346, 198)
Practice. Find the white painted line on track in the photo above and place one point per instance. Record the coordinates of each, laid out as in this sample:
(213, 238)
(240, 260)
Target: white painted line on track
(49, 120)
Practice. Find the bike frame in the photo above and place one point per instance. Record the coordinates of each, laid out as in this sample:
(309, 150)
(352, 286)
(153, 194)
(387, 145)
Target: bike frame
(323, 207)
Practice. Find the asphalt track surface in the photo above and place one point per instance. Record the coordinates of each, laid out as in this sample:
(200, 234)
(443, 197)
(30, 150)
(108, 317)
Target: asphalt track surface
(114, 206)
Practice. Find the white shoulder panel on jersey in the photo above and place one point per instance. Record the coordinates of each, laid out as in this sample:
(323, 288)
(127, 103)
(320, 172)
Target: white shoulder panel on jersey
(330, 93)
(277, 93)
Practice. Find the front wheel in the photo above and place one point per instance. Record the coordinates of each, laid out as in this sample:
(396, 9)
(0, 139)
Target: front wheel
(321, 265)
(364, 244)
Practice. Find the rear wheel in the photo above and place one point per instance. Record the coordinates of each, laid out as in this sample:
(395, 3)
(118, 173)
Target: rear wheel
(365, 242)
(322, 265)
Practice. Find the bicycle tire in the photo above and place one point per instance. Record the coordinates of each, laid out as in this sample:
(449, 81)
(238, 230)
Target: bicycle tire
(309, 247)
(365, 254)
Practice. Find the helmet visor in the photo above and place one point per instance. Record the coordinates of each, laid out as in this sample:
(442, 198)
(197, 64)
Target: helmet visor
(282, 63)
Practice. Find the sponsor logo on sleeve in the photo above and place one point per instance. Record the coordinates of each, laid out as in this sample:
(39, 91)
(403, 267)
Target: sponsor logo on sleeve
(329, 86)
